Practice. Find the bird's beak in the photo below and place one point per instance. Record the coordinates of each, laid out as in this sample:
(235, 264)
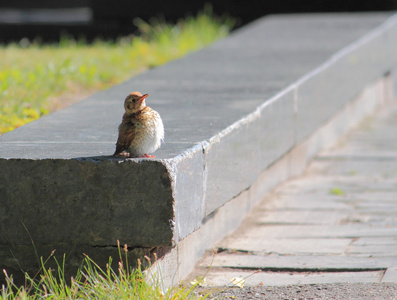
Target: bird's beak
(143, 97)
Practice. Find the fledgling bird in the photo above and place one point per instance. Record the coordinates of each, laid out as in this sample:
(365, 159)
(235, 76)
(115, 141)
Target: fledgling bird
(141, 130)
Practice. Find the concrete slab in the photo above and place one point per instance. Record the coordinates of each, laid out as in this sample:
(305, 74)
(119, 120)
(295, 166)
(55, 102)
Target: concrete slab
(265, 244)
(353, 166)
(348, 185)
(287, 263)
(307, 217)
(282, 202)
(376, 197)
(385, 250)
(390, 275)
(376, 241)
(223, 278)
(349, 230)
(380, 246)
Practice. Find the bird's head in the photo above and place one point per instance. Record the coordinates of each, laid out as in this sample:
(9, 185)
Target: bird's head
(135, 102)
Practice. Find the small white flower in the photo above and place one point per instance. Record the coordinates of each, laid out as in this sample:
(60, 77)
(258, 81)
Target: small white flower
(238, 281)
(199, 281)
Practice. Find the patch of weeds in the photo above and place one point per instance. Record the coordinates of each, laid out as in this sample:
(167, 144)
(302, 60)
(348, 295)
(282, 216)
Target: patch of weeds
(93, 282)
(337, 191)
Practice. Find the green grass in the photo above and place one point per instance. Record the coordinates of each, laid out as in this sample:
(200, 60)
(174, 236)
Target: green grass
(94, 282)
(123, 282)
(36, 79)
(337, 191)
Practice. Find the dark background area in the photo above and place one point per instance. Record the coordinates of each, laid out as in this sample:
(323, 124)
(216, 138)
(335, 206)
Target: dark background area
(109, 19)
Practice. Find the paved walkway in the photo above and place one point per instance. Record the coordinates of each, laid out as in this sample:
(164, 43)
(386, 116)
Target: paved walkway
(337, 223)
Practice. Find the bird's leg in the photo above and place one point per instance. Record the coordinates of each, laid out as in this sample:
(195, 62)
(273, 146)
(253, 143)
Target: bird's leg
(148, 156)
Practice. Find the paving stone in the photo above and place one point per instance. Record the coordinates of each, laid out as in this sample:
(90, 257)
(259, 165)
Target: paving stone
(350, 230)
(376, 241)
(374, 246)
(308, 217)
(349, 185)
(383, 220)
(377, 196)
(223, 277)
(292, 262)
(376, 138)
(303, 202)
(390, 275)
(386, 250)
(352, 166)
(377, 207)
(287, 246)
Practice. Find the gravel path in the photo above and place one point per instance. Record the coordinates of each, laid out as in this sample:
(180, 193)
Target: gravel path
(359, 291)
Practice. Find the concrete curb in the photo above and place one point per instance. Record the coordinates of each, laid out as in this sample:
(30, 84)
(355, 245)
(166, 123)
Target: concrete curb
(246, 117)
(228, 217)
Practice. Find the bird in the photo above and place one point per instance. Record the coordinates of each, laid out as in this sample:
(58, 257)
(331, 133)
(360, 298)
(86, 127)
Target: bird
(141, 130)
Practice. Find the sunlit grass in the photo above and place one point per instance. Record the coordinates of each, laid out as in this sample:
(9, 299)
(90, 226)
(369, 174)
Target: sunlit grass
(337, 191)
(93, 282)
(36, 79)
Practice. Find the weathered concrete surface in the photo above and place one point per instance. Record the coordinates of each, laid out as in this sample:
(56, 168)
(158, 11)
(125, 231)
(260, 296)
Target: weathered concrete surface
(220, 278)
(337, 223)
(230, 112)
(67, 195)
(228, 217)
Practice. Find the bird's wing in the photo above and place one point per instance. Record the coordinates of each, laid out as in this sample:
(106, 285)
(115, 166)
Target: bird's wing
(126, 136)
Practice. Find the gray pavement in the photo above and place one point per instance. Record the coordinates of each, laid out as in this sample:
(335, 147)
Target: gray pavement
(328, 234)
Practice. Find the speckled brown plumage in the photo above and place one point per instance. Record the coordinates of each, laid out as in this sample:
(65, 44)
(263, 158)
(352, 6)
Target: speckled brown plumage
(141, 130)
